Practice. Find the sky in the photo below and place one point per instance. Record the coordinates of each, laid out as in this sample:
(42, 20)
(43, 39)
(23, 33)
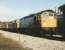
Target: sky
(15, 9)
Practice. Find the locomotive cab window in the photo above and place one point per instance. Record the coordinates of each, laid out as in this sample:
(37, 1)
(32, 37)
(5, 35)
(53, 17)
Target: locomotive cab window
(50, 14)
(45, 15)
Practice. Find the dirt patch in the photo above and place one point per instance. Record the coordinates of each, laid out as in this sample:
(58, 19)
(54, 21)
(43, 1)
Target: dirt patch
(9, 44)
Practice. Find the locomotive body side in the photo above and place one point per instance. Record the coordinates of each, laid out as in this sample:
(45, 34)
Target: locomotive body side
(29, 24)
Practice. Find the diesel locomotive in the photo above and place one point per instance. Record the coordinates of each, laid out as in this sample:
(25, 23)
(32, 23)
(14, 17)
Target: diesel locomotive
(42, 21)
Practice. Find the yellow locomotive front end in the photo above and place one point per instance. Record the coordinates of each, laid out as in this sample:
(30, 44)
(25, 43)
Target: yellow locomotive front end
(49, 20)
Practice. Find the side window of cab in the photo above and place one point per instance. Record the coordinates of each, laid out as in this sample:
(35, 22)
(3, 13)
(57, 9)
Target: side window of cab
(45, 15)
(51, 14)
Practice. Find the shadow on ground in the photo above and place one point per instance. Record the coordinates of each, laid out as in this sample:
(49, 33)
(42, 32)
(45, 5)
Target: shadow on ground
(9, 44)
(50, 36)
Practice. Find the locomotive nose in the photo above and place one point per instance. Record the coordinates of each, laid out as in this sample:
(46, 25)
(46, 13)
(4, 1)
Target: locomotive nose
(50, 22)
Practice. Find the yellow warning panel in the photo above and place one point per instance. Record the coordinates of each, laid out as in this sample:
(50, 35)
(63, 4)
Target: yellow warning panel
(50, 22)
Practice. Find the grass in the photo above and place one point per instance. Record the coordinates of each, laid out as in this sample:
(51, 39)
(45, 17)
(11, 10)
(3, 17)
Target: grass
(9, 44)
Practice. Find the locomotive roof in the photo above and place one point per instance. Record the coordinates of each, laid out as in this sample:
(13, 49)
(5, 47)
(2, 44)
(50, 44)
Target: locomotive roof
(46, 11)
(33, 15)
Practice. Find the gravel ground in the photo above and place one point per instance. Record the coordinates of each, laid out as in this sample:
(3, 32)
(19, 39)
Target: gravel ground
(9, 44)
(35, 43)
